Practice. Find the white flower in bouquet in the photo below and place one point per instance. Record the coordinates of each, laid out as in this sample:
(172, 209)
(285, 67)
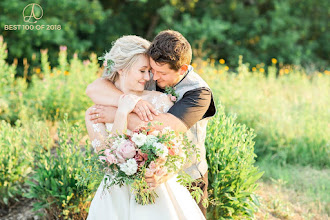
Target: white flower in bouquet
(139, 139)
(117, 142)
(160, 150)
(130, 167)
(151, 140)
(167, 129)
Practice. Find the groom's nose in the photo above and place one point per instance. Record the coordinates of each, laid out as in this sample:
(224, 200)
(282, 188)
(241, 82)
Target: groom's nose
(155, 76)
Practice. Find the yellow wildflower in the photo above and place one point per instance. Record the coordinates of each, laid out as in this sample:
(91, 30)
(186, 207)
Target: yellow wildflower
(222, 61)
(66, 73)
(254, 69)
(286, 71)
(262, 70)
(274, 61)
(38, 70)
(226, 68)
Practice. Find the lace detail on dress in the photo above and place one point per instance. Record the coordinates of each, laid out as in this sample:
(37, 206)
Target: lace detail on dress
(161, 102)
(96, 128)
(96, 143)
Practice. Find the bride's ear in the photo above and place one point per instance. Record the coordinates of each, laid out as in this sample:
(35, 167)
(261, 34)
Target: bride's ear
(120, 72)
(183, 69)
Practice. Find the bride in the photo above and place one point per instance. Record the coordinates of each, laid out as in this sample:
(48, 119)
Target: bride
(130, 72)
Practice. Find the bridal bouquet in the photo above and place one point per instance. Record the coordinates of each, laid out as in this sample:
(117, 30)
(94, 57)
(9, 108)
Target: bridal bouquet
(128, 158)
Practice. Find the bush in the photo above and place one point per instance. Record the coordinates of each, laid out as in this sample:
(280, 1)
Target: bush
(232, 174)
(54, 180)
(289, 113)
(79, 21)
(51, 92)
(18, 145)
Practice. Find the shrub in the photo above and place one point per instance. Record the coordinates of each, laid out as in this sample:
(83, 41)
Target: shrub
(232, 174)
(55, 177)
(18, 145)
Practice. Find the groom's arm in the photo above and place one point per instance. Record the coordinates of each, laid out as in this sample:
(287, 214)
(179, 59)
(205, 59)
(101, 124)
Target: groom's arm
(103, 92)
(194, 106)
(106, 114)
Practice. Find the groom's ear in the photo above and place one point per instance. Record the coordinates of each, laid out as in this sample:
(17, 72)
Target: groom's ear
(183, 69)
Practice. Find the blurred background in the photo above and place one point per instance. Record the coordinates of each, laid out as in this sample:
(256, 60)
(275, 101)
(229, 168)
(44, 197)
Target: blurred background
(267, 62)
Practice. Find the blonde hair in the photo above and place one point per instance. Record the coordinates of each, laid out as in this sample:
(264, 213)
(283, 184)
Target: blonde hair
(123, 54)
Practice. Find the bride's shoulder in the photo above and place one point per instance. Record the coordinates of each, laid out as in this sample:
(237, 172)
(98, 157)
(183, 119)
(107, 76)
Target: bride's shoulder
(149, 95)
(159, 100)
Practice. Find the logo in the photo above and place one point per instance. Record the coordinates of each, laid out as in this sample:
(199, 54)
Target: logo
(32, 13)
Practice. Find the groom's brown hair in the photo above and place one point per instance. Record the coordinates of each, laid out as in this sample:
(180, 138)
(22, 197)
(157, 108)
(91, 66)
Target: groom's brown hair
(170, 47)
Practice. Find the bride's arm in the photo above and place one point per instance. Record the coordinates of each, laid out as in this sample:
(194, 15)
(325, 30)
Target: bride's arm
(126, 105)
(104, 92)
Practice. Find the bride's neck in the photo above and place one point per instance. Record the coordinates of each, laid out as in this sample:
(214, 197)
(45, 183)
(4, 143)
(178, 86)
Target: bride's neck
(119, 85)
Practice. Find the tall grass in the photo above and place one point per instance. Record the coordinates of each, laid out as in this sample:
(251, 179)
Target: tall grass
(290, 113)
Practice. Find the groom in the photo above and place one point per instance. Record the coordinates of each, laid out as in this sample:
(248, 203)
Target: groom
(170, 55)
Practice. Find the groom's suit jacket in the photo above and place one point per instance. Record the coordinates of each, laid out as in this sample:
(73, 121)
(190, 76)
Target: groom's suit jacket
(194, 108)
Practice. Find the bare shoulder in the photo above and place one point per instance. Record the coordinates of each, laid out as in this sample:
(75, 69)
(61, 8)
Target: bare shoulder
(159, 100)
(150, 95)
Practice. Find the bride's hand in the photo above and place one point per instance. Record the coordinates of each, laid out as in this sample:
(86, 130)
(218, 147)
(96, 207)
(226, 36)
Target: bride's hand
(127, 103)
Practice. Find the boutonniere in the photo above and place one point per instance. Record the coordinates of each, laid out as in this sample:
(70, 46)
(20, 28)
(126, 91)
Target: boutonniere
(107, 62)
(170, 91)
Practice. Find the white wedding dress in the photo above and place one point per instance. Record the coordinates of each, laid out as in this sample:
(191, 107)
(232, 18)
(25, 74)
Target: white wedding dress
(118, 203)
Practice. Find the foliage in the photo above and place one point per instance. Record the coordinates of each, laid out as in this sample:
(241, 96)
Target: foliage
(79, 21)
(17, 148)
(289, 114)
(54, 179)
(52, 91)
(232, 174)
(293, 31)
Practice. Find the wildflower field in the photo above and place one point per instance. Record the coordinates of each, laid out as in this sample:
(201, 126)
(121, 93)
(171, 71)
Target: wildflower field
(272, 130)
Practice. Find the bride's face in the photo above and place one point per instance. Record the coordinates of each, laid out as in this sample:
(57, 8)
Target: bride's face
(138, 75)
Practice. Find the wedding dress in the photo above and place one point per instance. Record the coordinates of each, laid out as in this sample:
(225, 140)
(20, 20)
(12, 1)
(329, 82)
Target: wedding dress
(118, 203)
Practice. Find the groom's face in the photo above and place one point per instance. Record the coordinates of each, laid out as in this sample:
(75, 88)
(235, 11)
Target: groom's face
(164, 75)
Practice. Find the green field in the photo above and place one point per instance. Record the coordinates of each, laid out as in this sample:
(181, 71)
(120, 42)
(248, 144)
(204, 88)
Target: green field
(285, 118)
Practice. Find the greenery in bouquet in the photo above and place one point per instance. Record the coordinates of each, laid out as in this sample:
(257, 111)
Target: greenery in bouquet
(126, 159)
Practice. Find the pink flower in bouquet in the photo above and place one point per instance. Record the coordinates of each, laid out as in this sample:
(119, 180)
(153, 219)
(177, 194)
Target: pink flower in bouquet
(149, 172)
(154, 133)
(126, 149)
(102, 158)
(174, 150)
(161, 171)
(112, 159)
(160, 161)
(107, 152)
(171, 151)
(141, 158)
(105, 63)
(152, 165)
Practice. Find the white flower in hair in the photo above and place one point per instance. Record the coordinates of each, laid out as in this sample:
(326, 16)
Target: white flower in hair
(107, 56)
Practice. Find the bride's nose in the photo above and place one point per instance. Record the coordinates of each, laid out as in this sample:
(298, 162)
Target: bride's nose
(147, 76)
